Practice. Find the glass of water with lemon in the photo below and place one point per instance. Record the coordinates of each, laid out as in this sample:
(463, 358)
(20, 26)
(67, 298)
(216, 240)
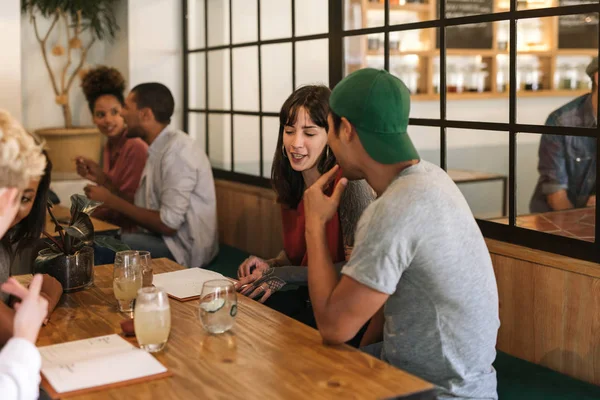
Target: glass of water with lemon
(152, 318)
(127, 279)
(218, 305)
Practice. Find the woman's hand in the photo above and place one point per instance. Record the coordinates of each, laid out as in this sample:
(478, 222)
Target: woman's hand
(90, 170)
(258, 283)
(32, 309)
(251, 265)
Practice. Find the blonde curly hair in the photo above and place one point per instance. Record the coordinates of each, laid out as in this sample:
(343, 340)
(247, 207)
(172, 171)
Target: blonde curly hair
(21, 158)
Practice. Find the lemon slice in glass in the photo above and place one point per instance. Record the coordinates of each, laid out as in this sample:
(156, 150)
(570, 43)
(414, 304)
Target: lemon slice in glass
(213, 305)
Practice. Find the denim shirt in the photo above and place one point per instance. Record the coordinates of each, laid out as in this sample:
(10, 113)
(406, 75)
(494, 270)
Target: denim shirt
(178, 182)
(567, 162)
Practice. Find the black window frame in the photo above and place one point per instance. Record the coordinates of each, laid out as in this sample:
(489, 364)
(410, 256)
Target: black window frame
(509, 233)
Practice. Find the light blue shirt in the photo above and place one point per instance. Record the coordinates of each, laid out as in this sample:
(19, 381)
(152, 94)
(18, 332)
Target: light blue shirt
(178, 181)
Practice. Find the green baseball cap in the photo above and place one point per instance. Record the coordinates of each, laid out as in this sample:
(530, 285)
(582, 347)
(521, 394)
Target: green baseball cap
(377, 104)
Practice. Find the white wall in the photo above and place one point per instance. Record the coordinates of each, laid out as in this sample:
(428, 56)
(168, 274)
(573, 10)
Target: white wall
(155, 47)
(38, 99)
(10, 67)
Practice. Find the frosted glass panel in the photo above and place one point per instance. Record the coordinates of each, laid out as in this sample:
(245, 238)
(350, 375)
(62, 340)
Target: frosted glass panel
(197, 128)
(245, 21)
(245, 78)
(270, 136)
(276, 19)
(219, 141)
(197, 80)
(312, 62)
(218, 80)
(276, 75)
(246, 144)
(312, 17)
(195, 22)
(218, 22)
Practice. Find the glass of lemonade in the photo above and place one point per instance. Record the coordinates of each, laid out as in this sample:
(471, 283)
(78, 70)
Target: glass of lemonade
(127, 279)
(152, 318)
(218, 305)
(146, 263)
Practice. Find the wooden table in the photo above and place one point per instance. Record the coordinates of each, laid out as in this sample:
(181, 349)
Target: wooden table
(460, 176)
(267, 355)
(63, 213)
(577, 223)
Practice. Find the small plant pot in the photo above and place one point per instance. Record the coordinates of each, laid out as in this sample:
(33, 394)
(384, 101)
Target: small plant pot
(74, 272)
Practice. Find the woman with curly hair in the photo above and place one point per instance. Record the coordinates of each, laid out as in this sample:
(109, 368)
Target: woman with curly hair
(123, 158)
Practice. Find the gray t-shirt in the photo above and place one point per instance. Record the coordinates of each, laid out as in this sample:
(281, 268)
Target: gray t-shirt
(420, 244)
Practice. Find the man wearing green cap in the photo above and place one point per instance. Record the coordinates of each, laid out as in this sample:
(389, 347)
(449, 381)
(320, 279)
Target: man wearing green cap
(567, 164)
(420, 267)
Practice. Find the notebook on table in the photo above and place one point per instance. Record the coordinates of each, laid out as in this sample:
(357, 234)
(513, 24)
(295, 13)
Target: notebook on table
(104, 362)
(185, 284)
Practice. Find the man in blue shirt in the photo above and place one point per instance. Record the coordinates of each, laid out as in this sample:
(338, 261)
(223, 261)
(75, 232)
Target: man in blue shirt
(567, 164)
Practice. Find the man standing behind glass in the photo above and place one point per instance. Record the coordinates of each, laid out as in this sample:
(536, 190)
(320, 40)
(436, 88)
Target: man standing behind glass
(175, 202)
(567, 164)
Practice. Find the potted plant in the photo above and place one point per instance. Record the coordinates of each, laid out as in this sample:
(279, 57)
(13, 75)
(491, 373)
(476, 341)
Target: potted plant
(69, 256)
(85, 23)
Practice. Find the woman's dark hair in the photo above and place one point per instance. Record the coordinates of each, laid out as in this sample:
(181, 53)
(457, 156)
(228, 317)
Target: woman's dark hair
(287, 183)
(102, 81)
(30, 228)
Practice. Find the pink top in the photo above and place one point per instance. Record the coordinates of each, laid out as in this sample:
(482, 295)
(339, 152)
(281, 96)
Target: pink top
(123, 162)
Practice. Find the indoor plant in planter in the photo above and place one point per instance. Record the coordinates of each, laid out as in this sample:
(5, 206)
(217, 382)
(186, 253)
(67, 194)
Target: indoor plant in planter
(85, 22)
(70, 256)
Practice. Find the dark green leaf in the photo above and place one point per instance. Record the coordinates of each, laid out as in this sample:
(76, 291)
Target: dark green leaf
(82, 228)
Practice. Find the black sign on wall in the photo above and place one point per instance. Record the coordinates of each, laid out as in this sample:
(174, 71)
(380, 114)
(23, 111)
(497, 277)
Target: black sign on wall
(579, 31)
(472, 36)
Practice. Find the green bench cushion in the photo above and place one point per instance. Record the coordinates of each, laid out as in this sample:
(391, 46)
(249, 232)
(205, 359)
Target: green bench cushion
(228, 260)
(519, 379)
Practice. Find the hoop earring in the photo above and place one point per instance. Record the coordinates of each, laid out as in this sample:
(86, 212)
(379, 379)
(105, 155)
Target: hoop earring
(327, 152)
(283, 151)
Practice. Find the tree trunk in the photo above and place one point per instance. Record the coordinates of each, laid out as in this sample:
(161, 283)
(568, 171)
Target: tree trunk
(67, 115)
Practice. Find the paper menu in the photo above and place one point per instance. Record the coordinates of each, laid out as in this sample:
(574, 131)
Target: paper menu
(95, 362)
(185, 284)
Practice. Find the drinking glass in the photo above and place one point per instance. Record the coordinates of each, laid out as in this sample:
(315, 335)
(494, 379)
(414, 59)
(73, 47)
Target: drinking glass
(146, 263)
(218, 305)
(152, 318)
(127, 279)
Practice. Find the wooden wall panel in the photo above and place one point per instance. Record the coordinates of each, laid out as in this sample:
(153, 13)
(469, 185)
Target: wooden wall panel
(515, 281)
(549, 315)
(249, 218)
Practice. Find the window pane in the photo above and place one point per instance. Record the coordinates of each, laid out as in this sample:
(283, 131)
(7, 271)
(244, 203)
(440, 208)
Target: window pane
(312, 17)
(536, 190)
(195, 21)
(360, 14)
(218, 22)
(270, 136)
(463, 8)
(427, 142)
(219, 140)
(245, 78)
(197, 80)
(246, 148)
(276, 63)
(312, 62)
(550, 72)
(197, 128)
(478, 164)
(276, 19)
(245, 21)
(218, 80)
(363, 51)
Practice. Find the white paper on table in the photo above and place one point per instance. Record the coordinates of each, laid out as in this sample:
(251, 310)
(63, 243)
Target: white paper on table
(186, 283)
(98, 361)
